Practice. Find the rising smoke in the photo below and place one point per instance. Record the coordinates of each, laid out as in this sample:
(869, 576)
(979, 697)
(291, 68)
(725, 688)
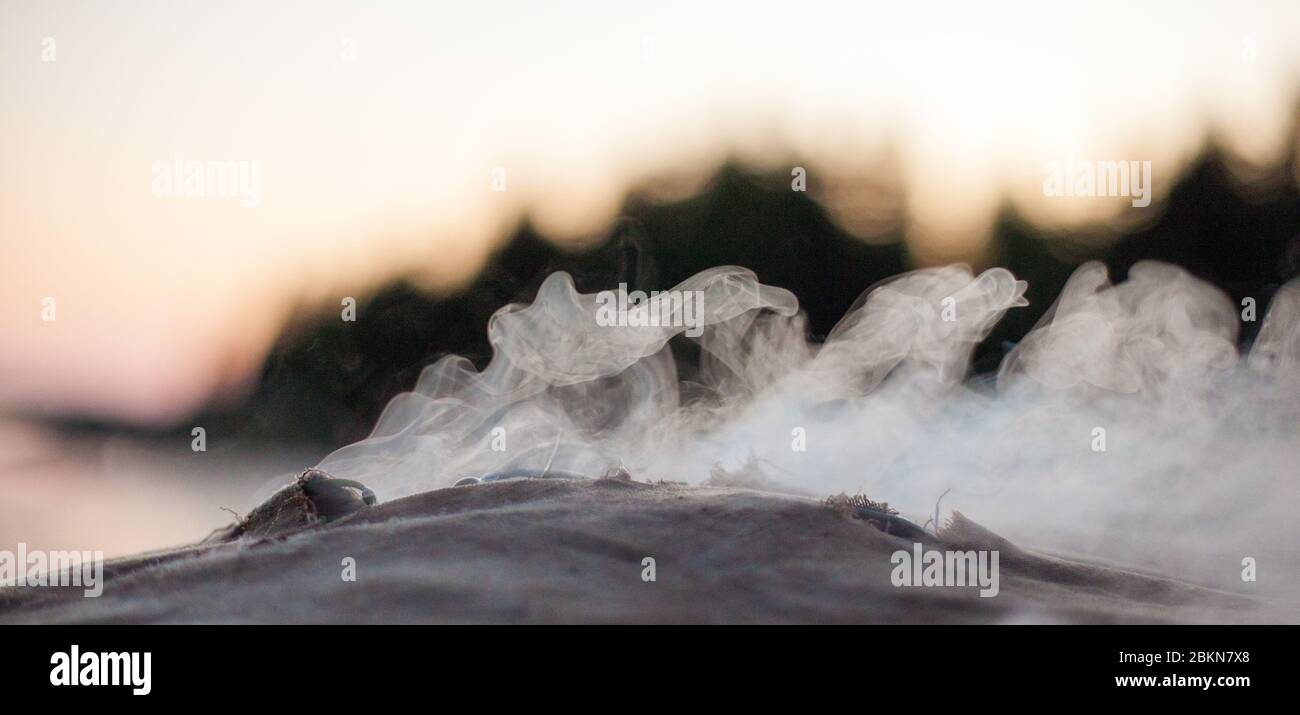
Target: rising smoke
(1125, 427)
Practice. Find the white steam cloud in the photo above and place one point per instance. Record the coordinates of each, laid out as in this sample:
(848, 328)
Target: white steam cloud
(1198, 471)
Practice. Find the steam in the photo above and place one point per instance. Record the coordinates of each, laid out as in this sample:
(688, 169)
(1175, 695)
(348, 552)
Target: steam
(1198, 469)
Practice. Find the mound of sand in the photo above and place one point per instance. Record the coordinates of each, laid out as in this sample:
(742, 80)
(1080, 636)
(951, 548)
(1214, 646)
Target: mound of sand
(564, 551)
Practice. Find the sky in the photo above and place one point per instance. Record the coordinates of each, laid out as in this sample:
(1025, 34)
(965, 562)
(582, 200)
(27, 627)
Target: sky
(409, 138)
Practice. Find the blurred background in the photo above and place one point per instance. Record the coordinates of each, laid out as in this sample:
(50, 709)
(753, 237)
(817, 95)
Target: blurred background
(434, 161)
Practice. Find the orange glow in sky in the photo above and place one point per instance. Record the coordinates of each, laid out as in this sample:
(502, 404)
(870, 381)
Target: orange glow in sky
(377, 131)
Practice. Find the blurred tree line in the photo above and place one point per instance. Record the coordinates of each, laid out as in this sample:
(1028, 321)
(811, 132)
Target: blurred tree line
(327, 380)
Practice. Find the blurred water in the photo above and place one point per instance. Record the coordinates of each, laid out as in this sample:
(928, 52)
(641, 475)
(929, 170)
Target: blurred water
(123, 495)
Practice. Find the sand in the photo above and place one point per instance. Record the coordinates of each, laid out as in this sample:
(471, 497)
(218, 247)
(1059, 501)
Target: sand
(555, 551)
